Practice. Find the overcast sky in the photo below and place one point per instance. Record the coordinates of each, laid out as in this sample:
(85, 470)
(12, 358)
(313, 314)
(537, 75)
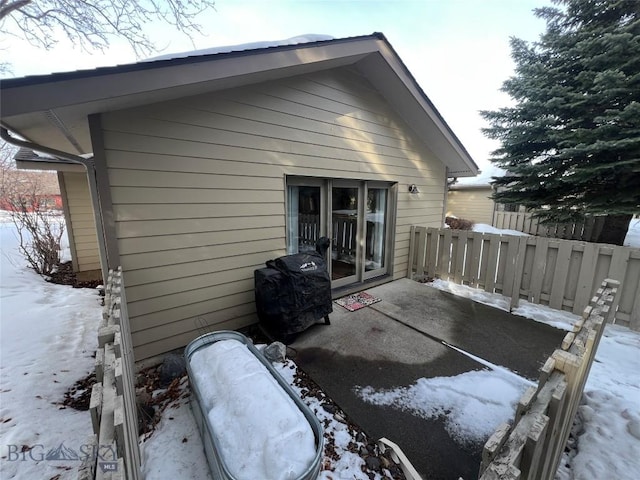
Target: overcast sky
(458, 50)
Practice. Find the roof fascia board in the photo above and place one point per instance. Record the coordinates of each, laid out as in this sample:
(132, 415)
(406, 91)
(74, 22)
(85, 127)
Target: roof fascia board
(55, 94)
(49, 165)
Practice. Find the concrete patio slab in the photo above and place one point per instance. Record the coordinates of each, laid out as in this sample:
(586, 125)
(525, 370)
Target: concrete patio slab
(518, 343)
(379, 346)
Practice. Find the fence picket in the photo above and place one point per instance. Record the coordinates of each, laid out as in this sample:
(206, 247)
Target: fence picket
(474, 266)
(492, 263)
(510, 256)
(597, 228)
(468, 252)
(539, 263)
(560, 275)
(461, 247)
(556, 413)
(421, 253)
(444, 256)
(619, 262)
(534, 445)
(413, 265)
(585, 286)
(432, 252)
(634, 317)
(484, 254)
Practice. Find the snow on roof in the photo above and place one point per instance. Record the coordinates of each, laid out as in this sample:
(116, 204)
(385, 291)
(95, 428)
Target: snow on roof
(480, 180)
(307, 38)
(27, 154)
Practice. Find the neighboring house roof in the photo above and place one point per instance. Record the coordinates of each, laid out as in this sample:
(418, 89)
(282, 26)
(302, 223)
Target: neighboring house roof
(52, 110)
(481, 180)
(485, 186)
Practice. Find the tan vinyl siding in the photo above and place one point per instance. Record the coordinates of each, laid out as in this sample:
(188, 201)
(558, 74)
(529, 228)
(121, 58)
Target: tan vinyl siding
(82, 225)
(471, 204)
(198, 190)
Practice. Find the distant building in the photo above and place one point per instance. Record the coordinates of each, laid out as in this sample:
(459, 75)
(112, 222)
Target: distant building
(31, 190)
(471, 202)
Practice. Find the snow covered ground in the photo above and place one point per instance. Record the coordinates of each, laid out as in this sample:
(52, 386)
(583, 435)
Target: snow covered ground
(633, 234)
(174, 450)
(48, 337)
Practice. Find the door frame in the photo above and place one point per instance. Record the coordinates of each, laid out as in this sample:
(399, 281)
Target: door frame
(359, 185)
(326, 225)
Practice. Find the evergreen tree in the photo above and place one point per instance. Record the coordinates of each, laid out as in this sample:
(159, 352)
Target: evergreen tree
(571, 143)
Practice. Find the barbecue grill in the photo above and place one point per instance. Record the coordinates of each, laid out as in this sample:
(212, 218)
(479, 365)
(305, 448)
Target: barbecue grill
(293, 292)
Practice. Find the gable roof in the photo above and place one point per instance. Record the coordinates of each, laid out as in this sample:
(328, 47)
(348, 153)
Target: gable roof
(52, 110)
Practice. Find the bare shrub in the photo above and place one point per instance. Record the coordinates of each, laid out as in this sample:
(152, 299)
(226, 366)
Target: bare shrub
(39, 228)
(459, 223)
(39, 233)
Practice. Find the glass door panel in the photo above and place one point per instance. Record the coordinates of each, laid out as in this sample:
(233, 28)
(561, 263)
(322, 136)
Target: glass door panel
(376, 217)
(303, 218)
(344, 222)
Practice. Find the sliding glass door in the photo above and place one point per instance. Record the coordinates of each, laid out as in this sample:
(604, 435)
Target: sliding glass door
(377, 232)
(345, 229)
(355, 215)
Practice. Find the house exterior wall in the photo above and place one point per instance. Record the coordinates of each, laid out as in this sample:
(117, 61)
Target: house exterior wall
(80, 219)
(198, 191)
(471, 204)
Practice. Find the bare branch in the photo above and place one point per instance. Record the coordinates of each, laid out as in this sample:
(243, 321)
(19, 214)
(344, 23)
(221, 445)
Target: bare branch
(92, 24)
(7, 7)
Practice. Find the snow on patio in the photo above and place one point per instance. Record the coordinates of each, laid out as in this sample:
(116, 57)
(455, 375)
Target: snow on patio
(472, 404)
(48, 337)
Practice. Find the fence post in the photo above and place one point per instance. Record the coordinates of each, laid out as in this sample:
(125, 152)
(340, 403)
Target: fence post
(412, 251)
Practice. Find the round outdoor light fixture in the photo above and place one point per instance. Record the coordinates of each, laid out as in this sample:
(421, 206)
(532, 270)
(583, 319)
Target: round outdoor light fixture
(413, 188)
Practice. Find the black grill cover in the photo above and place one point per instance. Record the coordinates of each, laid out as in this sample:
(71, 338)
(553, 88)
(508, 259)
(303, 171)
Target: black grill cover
(293, 293)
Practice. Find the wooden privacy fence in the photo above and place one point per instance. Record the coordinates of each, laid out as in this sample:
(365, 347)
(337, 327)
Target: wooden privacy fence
(562, 274)
(113, 402)
(532, 446)
(587, 230)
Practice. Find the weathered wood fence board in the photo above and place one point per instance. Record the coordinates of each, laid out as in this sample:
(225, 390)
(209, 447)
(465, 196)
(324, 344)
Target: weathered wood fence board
(113, 406)
(562, 274)
(587, 230)
(531, 447)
